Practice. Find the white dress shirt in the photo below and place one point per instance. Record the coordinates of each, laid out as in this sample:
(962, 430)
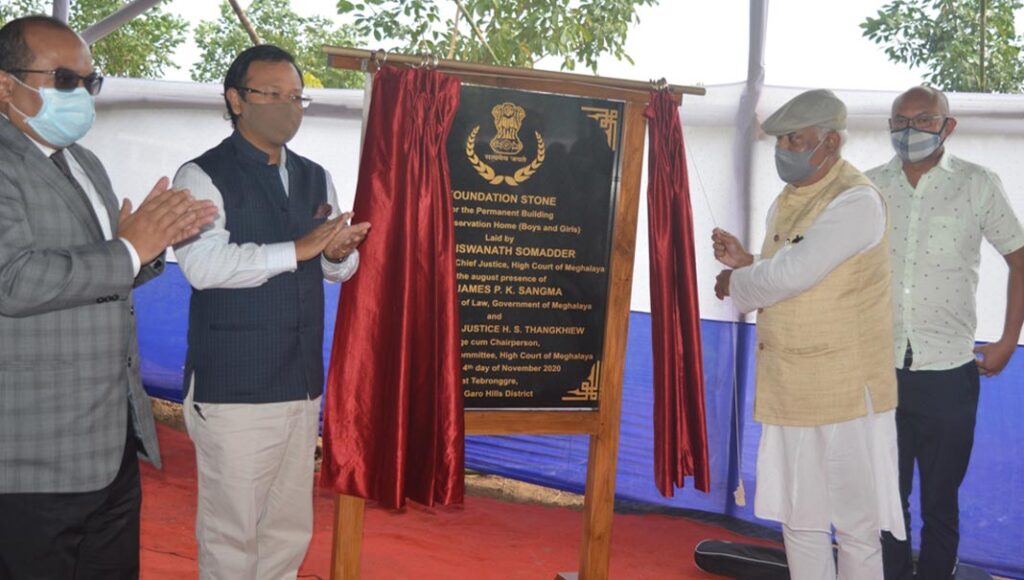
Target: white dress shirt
(853, 223)
(935, 248)
(212, 261)
(95, 201)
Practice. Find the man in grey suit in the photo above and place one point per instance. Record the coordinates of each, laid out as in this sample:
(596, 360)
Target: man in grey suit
(73, 413)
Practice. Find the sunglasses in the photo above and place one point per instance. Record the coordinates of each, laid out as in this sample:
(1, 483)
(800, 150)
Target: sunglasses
(68, 80)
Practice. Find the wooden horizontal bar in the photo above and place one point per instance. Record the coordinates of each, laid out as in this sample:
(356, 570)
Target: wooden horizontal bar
(360, 59)
(527, 422)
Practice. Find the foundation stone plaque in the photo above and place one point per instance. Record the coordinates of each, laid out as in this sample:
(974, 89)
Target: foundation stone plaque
(534, 181)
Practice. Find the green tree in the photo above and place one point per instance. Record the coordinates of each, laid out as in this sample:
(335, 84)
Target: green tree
(17, 8)
(965, 45)
(220, 42)
(514, 32)
(141, 48)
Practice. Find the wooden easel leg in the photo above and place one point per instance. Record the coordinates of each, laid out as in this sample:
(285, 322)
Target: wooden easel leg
(599, 502)
(599, 506)
(348, 537)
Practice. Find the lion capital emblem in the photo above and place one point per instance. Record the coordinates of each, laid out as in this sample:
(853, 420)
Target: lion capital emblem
(508, 118)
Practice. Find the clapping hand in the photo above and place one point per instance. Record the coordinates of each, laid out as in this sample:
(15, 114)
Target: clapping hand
(335, 239)
(167, 216)
(346, 240)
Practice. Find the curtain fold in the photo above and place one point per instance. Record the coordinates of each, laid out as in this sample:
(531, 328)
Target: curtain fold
(393, 419)
(680, 434)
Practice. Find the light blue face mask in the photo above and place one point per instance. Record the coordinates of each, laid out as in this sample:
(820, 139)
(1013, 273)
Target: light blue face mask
(914, 145)
(64, 118)
(795, 166)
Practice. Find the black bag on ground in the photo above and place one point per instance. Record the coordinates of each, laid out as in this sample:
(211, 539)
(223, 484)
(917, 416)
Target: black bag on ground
(746, 561)
(752, 562)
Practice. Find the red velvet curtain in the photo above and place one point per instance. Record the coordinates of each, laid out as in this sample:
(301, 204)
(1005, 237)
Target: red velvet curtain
(680, 434)
(393, 420)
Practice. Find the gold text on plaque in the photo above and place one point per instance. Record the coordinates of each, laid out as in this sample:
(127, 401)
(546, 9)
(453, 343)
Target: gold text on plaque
(588, 390)
(608, 119)
(506, 146)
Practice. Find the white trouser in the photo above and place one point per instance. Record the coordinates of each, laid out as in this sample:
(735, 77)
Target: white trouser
(841, 475)
(852, 507)
(255, 463)
(809, 555)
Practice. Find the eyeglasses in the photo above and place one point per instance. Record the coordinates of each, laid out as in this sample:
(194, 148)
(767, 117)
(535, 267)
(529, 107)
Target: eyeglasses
(67, 80)
(920, 122)
(276, 97)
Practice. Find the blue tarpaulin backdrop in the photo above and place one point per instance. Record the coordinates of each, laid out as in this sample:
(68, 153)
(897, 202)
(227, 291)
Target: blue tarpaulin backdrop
(992, 512)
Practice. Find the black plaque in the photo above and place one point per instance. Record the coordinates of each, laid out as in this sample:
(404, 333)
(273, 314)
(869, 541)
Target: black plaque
(534, 180)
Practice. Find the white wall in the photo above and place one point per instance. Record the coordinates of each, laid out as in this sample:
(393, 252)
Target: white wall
(146, 129)
(990, 131)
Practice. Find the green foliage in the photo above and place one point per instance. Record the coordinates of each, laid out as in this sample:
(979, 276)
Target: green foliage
(276, 23)
(518, 32)
(141, 48)
(944, 37)
(17, 8)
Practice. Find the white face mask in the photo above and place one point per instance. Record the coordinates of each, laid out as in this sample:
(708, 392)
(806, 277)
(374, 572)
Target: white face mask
(913, 145)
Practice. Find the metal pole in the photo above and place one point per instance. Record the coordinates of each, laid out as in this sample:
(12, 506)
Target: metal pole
(984, 88)
(743, 154)
(97, 31)
(60, 10)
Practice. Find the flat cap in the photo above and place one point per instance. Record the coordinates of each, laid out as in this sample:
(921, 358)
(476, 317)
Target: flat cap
(817, 108)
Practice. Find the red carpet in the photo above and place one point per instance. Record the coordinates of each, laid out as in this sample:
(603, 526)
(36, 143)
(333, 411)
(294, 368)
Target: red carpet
(486, 538)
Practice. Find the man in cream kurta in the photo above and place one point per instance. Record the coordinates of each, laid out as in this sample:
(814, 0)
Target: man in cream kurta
(827, 456)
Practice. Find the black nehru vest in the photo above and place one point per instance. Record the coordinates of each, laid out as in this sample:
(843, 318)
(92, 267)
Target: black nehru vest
(263, 344)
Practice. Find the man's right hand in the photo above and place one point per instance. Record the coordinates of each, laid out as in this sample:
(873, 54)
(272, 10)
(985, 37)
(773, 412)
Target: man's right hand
(166, 217)
(312, 244)
(729, 250)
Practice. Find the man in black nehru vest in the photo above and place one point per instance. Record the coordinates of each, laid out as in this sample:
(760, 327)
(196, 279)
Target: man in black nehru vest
(254, 370)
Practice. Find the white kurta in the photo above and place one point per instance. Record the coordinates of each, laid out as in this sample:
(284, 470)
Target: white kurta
(810, 478)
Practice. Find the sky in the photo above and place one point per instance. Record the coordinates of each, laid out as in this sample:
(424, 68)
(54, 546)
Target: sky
(809, 43)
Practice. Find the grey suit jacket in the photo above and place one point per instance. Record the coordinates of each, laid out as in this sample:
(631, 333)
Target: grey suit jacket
(69, 361)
